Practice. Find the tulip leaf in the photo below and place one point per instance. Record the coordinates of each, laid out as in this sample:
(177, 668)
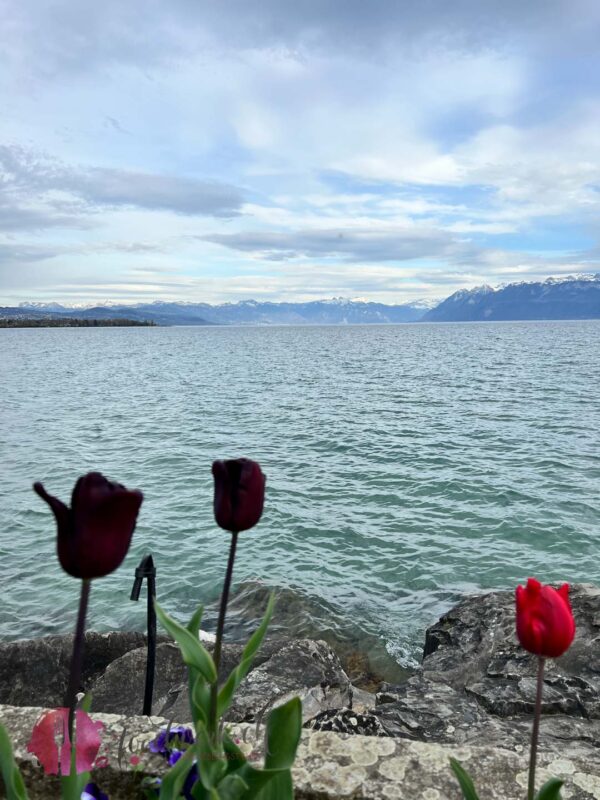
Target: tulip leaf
(464, 779)
(13, 780)
(284, 726)
(233, 754)
(192, 652)
(199, 698)
(550, 790)
(193, 625)
(86, 703)
(280, 787)
(199, 792)
(243, 668)
(211, 759)
(174, 780)
(233, 788)
(256, 779)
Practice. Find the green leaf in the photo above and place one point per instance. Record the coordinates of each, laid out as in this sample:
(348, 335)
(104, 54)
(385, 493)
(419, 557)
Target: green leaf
(73, 785)
(174, 779)
(211, 759)
(284, 726)
(463, 777)
(13, 780)
(243, 668)
(192, 652)
(199, 792)
(550, 790)
(86, 703)
(233, 754)
(199, 699)
(280, 787)
(255, 779)
(193, 625)
(233, 788)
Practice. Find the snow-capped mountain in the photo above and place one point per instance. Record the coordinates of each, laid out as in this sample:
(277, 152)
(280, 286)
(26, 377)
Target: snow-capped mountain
(337, 311)
(568, 297)
(563, 297)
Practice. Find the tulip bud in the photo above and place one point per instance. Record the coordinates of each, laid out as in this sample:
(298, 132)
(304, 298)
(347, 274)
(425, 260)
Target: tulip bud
(545, 624)
(95, 533)
(239, 493)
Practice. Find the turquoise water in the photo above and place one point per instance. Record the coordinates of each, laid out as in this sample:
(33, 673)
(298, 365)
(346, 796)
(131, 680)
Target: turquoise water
(407, 465)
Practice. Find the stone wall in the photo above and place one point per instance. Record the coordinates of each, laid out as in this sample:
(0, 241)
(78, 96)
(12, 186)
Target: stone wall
(329, 766)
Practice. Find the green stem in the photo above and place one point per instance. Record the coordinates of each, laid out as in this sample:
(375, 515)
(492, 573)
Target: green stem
(536, 729)
(77, 657)
(214, 689)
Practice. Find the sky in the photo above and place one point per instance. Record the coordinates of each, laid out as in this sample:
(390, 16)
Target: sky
(223, 150)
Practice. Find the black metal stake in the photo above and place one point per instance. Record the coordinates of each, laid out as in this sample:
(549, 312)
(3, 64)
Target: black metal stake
(147, 570)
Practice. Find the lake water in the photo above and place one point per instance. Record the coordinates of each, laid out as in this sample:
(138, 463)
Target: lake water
(407, 466)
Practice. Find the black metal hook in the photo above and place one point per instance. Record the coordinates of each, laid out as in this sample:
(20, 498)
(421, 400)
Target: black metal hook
(147, 570)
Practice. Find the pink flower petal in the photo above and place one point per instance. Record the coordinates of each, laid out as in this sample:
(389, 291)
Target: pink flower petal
(51, 732)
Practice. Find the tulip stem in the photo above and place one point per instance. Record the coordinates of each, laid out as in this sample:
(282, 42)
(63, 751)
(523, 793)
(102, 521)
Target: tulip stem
(214, 689)
(536, 728)
(77, 657)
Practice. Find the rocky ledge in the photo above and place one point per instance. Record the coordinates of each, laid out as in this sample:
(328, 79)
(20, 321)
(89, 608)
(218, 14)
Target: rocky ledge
(475, 685)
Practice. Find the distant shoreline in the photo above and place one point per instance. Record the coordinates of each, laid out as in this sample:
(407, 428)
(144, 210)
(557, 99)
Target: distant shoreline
(71, 322)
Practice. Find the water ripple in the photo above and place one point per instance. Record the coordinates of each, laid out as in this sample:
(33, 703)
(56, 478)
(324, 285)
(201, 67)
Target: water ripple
(407, 466)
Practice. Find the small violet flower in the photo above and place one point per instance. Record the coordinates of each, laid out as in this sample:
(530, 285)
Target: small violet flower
(167, 740)
(92, 792)
(174, 757)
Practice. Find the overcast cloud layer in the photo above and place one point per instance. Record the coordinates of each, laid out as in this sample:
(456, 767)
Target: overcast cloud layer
(285, 150)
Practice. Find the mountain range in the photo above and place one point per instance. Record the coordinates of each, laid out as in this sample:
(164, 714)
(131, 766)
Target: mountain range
(571, 297)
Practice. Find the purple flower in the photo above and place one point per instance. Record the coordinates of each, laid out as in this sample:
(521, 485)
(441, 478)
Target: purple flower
(167, 741)
(191, 779)
(92, 792)
(174, 757)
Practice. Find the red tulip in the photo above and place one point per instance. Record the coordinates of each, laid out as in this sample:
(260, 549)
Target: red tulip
(95, 533)
(545, 624)
(50, 741)
(239, 493)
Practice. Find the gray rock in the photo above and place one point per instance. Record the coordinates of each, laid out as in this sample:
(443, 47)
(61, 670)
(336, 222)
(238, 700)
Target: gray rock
(362, 701)
(303, 668)
(477, 683)
(346, 720)
(120, 690)
(34, 672)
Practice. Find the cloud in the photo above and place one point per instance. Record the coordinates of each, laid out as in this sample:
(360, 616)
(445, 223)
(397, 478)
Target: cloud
(350, 244)
(239, 147)
(66, 36)
(25, 173)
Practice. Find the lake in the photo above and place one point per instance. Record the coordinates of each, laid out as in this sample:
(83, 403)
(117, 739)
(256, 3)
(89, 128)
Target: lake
(407, 466)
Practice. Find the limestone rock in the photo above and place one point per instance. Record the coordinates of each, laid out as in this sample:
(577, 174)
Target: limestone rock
(34, 672)
(303, 668)
(477, 683)
(120, 690)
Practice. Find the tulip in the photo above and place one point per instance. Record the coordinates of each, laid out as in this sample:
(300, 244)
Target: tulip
(545, 624)
(239, 494)
(545, 627)
(50, 731)
(93, 539)
(238, 505)
(95, 533)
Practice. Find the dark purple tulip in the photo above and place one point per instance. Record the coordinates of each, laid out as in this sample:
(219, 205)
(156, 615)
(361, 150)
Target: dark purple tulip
(95, 533)
(239, 493)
